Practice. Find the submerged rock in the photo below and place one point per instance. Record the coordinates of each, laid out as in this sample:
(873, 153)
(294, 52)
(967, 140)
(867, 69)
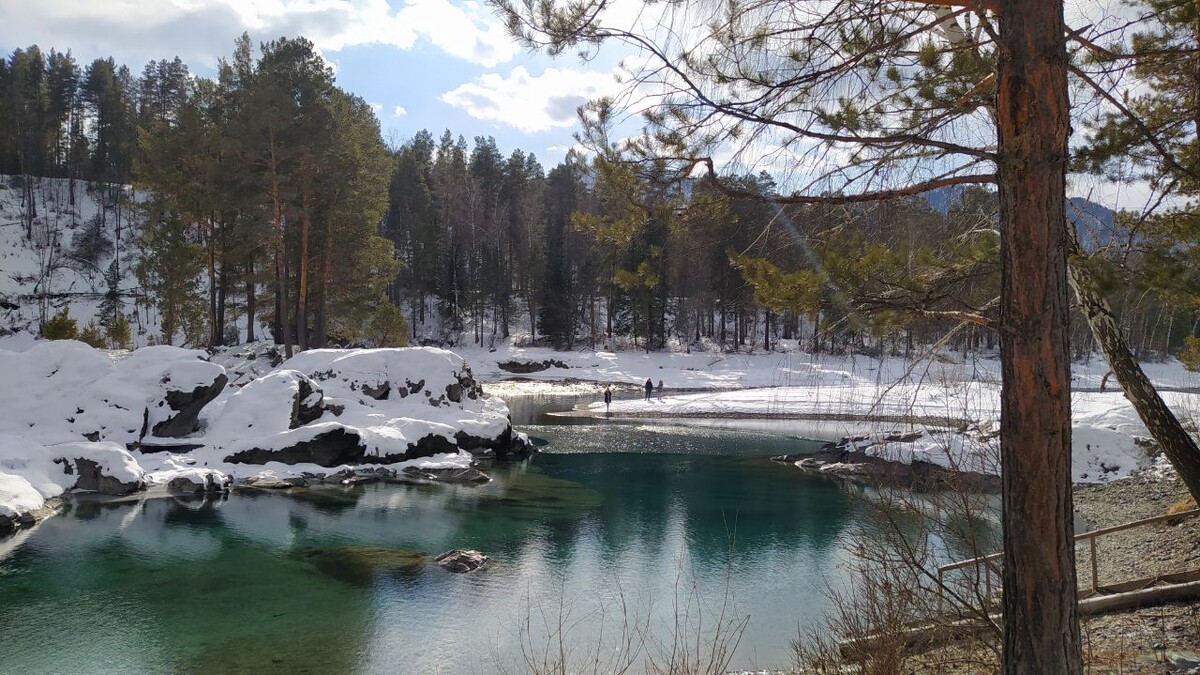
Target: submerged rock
(359, 565)
(460, 561)
(269, 483)
(469, 476)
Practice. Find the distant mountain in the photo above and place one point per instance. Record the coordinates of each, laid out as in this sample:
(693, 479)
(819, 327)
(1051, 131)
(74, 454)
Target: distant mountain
(1095, 223)
(943, 198)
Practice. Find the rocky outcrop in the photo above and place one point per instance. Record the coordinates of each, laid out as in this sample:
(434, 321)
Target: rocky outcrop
(460, 561)
(92, 478)
(332, 447)
(507, 445)
(309, 402)
(852, 459)
(185, 407)
(10, 523)
(526, 367)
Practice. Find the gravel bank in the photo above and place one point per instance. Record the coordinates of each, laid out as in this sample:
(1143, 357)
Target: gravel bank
(1153, 640)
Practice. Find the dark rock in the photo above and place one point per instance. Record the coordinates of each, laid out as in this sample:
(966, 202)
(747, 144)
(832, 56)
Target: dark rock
(309, 404)
(92, 479)
(431, 444)
(187, 406)
(468, 476)
(414, 387)
(328, 448)
(505, 446)
(524, 367)
(461, 561)
(177, 448)
(379, 392)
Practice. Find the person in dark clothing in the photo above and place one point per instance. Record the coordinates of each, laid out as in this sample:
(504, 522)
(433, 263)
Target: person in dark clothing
(649, 388)
(607, 398)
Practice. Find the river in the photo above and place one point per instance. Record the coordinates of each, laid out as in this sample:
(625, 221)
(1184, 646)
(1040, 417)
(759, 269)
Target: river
(619, 533)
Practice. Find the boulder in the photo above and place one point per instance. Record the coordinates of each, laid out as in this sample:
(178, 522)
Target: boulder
(199, 481)
(460, 561)
(329, 447)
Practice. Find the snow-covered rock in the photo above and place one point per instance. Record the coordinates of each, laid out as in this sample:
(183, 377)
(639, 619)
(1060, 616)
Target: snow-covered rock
(183, 391)
(103, 467)
(72, 413)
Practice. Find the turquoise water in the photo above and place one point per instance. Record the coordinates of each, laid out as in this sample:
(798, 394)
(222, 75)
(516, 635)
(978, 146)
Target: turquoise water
(650, 526)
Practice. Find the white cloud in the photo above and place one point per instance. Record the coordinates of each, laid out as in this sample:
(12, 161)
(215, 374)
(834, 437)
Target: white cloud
(376, 108)
(528, 102)
(399, 111)
(200, 31)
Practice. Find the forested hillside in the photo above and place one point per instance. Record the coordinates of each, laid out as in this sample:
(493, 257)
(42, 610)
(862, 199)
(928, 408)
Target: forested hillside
(263, 203)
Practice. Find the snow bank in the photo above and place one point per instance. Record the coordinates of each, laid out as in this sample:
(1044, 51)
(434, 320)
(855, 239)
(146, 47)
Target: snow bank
(18, 496)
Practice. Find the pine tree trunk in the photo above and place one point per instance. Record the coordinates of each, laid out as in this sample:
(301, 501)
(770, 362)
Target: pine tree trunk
(215, 332)
(1041, 626)
(302, 282)
(1164, 427)
(250, 308)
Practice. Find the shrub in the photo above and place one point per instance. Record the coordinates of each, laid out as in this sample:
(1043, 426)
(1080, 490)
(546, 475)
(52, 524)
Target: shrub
(61, 326)
(1189, 356)
(118, 333)
(92, 335)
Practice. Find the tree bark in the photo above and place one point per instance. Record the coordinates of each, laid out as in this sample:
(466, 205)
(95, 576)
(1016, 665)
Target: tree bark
(1041, 626)
(1178, 444)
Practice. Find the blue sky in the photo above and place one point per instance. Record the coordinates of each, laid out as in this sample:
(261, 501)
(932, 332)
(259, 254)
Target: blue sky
(423, 64)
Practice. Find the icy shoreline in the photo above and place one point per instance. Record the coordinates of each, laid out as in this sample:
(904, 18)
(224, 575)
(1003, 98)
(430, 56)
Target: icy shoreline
(859, 397)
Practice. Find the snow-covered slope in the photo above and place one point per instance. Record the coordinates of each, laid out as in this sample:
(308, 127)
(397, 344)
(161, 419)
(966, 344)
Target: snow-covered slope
(59, 264)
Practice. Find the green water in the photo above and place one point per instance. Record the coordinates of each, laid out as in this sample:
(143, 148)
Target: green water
(645, 522)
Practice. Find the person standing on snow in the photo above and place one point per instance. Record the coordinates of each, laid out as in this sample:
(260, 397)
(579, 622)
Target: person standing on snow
(660, 388)
(607, 398)
(649, 388)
